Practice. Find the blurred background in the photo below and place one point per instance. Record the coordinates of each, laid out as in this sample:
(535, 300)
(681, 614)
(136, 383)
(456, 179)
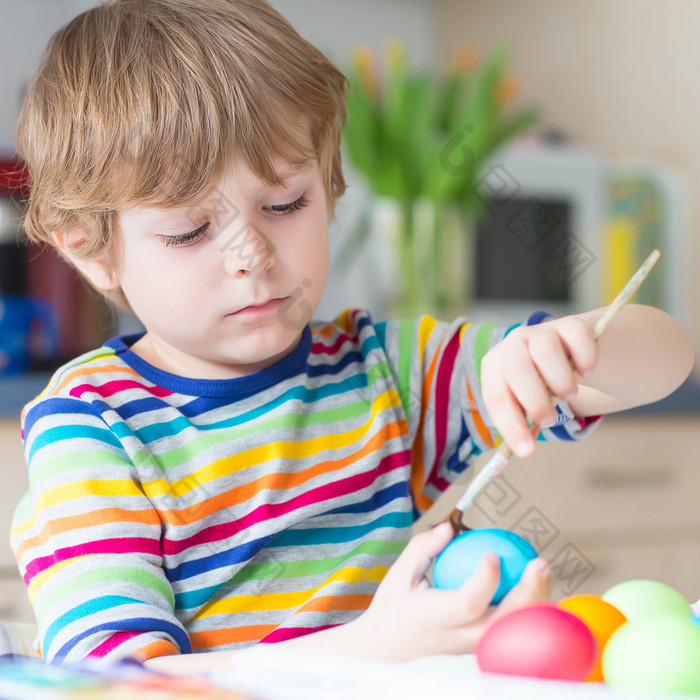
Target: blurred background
(503, 157)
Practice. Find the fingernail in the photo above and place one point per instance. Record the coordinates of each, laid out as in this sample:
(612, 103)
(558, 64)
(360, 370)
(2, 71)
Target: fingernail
(543, 568)
(442, 527)
(522, 449)
(549, 422)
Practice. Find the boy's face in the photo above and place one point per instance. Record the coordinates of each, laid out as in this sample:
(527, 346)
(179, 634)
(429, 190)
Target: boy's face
(190, 289)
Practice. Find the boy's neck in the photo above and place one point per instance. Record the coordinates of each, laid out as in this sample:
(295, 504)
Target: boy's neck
(173, 361)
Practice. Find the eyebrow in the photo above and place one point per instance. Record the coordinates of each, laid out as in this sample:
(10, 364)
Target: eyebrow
(164, 215)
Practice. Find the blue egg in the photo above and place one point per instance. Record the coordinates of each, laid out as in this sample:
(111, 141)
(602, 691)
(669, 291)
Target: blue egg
(458, 561)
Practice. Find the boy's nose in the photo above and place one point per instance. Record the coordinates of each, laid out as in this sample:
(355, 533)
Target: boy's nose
(248, 251)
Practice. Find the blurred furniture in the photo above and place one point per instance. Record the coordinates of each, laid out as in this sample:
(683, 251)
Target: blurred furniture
(36, 275)
(14, 600)
(17, 639)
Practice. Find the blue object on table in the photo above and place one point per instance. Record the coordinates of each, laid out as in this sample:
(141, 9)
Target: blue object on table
(18, 314)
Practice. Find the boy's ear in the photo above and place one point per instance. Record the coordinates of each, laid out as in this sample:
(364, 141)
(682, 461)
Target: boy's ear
(94, 269)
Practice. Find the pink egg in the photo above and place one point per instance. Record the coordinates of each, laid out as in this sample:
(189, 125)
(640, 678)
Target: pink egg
(539, 640)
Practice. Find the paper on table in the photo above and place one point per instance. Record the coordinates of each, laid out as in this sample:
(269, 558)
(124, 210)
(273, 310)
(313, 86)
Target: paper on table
(98, 679)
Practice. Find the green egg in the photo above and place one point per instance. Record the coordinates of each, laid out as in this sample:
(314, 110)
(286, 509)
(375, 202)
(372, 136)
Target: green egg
(654, 654)
(641, 598)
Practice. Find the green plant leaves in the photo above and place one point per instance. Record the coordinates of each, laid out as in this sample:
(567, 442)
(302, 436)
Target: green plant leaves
(417, 136)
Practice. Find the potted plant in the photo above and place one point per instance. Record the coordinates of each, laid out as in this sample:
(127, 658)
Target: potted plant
(420, 142)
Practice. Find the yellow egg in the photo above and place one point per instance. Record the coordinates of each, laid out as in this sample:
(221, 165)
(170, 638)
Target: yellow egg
(600, 617)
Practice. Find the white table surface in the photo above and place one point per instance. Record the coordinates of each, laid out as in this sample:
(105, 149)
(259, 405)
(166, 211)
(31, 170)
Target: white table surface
(270, 672)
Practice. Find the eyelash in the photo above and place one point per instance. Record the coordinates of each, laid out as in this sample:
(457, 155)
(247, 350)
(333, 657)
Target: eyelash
(280, 209)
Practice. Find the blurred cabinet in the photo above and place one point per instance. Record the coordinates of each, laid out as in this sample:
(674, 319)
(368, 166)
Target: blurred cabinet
(621, 504)
(14, 601)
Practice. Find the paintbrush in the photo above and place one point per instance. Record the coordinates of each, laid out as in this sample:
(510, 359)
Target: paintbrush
(500, 457)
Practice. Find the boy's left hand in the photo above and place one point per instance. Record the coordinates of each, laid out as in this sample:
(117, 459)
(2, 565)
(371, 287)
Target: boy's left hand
(408, 619)
(531, 364)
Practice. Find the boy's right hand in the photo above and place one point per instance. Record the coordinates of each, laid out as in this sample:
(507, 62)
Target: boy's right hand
(407, 618)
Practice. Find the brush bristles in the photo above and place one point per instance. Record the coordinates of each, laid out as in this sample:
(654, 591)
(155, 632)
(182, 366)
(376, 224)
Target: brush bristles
(455, 519)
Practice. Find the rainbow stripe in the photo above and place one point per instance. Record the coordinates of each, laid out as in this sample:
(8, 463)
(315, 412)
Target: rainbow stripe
(170, 515)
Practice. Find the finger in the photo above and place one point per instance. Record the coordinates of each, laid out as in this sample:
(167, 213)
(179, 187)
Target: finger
(419, 553)
(537, 580)
(474, 597)
(579, 341)
(528, 386)
(464, 639)
(508, 417)
(471, 634)
(552, 362)
(535, 586)
(462, 612)
(424, 584)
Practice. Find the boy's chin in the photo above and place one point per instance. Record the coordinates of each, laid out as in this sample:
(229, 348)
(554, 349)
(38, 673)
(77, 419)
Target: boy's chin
(262, 345)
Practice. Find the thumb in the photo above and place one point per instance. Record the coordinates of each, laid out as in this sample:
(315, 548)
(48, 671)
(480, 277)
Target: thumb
(421, 549)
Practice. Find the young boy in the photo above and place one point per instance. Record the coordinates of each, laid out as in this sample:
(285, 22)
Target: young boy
(240, 473)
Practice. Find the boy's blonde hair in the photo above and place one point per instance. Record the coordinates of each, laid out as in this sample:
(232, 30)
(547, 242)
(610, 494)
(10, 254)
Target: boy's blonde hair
(147, 102)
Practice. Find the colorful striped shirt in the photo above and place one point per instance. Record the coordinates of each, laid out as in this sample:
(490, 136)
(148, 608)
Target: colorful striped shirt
(174, 515)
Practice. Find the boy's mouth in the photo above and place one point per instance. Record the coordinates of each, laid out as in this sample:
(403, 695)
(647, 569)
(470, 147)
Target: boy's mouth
(261, 309)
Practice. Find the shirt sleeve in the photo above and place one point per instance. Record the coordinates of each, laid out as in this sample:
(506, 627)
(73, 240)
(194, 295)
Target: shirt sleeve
(87, 542)
(437, 368)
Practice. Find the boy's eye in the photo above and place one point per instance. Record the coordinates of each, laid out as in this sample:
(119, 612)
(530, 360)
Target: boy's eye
(185, 238)
(281, 209)
(194, 236)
